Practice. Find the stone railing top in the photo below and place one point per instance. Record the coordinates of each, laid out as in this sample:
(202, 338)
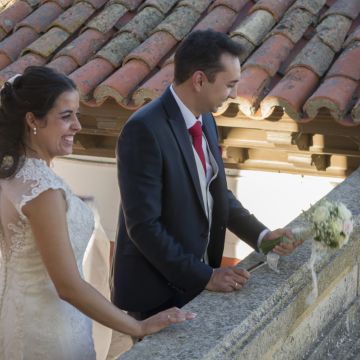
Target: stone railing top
(228, 322)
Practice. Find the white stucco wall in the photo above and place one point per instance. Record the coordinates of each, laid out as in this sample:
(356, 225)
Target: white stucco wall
(274, 198)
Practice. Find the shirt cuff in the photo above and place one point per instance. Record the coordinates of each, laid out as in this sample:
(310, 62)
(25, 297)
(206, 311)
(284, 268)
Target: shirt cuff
(260, 239)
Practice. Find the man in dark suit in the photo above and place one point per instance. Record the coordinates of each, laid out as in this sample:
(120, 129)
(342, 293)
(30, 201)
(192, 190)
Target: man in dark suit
(175, 202)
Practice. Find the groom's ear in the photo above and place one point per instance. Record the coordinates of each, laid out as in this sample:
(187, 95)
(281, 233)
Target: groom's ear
(198, 80)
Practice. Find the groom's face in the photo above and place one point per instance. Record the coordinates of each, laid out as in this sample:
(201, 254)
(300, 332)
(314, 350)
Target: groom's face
(224, 86)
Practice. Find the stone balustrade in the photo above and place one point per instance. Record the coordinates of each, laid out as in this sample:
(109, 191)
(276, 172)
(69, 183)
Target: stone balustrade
(269, 318)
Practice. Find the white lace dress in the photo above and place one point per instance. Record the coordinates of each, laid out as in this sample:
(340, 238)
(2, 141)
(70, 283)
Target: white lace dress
(35, 323)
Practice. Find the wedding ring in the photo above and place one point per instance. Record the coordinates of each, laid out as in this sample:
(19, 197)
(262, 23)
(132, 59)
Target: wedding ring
(236, 285)
(168, 317)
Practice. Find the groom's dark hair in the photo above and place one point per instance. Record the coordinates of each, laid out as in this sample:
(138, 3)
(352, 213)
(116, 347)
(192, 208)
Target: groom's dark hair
(201, 50)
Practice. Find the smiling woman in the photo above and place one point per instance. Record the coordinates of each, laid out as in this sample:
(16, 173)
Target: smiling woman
(53, 135)
(45, 305)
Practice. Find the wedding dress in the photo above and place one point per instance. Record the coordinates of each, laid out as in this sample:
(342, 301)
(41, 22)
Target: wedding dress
(35, 323)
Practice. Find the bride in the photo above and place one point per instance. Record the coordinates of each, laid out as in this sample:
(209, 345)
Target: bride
(45, 305)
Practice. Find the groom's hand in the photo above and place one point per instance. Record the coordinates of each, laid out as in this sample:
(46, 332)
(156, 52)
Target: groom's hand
(227, 279)
(283, 248)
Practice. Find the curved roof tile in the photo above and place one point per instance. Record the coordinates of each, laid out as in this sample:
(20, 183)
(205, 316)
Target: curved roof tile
(40, 19)
(162, 5)
(275, 7)
(12, 45)
(290, 47)
(13, 14)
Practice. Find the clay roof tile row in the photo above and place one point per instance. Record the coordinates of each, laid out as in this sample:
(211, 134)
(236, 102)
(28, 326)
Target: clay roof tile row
(301, 56)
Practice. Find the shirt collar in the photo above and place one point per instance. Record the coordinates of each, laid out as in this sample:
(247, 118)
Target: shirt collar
(188, 116)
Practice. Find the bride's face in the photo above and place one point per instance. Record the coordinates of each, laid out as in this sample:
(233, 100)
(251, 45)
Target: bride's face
(55, 132)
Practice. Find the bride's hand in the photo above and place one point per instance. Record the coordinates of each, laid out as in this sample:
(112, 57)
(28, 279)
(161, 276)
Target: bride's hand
(163, 319)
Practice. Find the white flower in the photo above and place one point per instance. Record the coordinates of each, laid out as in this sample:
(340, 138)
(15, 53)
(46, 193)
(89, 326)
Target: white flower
(344, 212)
(337, 226)
(320, 214)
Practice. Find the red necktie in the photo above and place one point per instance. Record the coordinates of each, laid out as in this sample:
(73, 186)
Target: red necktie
(196, 133)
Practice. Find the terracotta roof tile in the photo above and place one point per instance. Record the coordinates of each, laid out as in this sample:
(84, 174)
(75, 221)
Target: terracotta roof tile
(332, 31)
(289, 46)
(334, 94)
(64, 4)
(291, 93)
(116, 50)
(122, 82)
(247, 46)
(275, 7)
(96, 4)
(10, 16)
(99, 69)
(235, 5)
(180, 21)
(64, 64)
(144, 22)
(255, 26)
(348, 8)
(40, 19)
(20, 65)
(72, 19)
(294, 24)
(48, 43)
(162, 5)
(316, 56)
(219, 18)
(12, 45)
(348, 64)
(270, 54)
(250, 90)
(85, 46)
(312, 6)
(107, 18)
(150, 51)
(131, 35)
(199, 5)
(129, 4)
(155, 86)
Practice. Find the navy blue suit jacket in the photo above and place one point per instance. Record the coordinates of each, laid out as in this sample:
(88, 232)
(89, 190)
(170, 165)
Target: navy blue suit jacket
(163, 229)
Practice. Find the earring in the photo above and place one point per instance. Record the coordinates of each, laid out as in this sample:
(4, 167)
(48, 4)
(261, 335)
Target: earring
(34, 130)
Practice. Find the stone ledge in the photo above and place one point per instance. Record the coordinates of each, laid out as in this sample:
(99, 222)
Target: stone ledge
(269, 317)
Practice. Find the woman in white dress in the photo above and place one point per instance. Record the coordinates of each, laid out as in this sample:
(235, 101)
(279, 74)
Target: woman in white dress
(45, 305)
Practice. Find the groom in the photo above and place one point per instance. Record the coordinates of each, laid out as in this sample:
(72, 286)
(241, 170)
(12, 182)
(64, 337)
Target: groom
(175, 202)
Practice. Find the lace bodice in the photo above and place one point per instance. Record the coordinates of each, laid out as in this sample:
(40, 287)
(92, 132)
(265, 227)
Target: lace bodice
(30, 309)
(34, 178)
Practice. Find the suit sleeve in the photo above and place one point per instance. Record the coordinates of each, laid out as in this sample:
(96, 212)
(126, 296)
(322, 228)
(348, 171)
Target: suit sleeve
(140, 172)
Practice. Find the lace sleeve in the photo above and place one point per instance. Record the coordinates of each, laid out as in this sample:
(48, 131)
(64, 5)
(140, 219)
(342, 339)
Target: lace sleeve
(34, 178)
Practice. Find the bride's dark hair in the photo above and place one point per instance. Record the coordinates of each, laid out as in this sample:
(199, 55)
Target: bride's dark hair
(35, 91)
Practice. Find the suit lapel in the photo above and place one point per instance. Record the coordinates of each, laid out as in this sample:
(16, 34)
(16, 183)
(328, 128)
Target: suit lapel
(177, 124)
(211, 137)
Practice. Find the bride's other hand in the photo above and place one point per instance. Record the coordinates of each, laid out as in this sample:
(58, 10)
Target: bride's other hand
(163, 319)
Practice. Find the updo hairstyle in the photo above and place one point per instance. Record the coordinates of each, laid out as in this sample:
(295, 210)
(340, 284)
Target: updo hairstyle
(35, 91)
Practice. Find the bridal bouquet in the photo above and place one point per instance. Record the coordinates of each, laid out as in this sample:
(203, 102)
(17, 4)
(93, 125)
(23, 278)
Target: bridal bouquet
(330, 226)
